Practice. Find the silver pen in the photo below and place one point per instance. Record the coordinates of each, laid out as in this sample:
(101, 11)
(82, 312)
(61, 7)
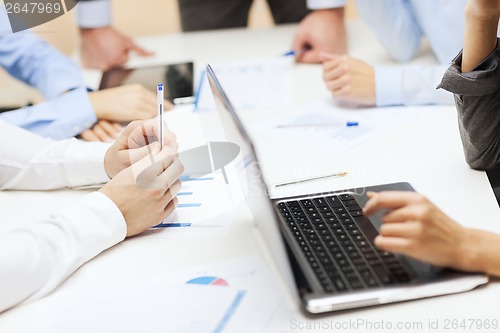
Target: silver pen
(160, 114)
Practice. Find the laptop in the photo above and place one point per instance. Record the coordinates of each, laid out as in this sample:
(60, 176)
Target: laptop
(323, 244)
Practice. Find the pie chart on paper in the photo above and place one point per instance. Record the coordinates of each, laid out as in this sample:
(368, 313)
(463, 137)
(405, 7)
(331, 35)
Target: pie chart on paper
(209, 280)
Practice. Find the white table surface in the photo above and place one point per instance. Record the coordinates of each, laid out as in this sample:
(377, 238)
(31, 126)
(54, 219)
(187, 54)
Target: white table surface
(427, 153)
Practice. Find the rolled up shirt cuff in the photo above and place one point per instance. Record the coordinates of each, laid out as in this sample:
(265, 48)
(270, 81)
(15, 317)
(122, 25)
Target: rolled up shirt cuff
(325, 4)
(388, 86)
(467, 84)
(94, 14)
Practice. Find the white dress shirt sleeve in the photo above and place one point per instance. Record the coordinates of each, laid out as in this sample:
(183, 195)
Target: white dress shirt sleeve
(30, 162)
(325, 4)
(94, 14)
(36, 258)
(410, 85)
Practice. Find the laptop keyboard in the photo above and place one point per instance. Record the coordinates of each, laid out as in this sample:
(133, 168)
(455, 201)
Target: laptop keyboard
(327, 229)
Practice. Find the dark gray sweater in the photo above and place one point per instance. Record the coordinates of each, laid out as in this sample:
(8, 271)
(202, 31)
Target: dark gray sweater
(477, 97)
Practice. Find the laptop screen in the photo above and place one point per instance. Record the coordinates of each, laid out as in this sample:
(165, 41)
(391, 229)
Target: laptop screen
(257, 196)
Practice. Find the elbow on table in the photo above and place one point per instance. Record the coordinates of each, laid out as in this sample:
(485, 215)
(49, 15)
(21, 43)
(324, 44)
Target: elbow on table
(482, 161)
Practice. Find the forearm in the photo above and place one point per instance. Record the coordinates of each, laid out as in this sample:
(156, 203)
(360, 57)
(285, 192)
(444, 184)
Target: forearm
(33, 61)
(36, 163)
(59, 118)
(36, 258)
(410, 85)
(482, 253)
(480, 40)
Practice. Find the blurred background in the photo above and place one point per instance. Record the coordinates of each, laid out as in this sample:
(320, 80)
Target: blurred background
(133, 17)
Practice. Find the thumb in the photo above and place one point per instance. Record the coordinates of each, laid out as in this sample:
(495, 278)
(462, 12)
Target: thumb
(138, 154)
(153, 160)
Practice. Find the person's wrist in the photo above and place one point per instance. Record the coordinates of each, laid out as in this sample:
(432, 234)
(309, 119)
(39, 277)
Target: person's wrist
(96, 103)
(90, 31)
(337, 12)
(467, 251)
(108, 163)
(488, 17)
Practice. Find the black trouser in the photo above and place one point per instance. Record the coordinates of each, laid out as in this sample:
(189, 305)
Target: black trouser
(221, 14)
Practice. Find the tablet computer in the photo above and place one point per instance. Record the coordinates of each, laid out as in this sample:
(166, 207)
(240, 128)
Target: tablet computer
(178, 79)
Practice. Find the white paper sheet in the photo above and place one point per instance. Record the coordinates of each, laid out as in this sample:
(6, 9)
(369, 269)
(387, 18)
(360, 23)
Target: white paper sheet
(321, 125)
(252, 84)
(88, 306)
(263, 294)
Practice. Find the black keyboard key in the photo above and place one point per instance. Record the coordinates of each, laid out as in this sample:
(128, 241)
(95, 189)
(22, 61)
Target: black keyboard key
(320, 226)
(343, 216)
(343, 237)
(310, 209)
(350, 203)
(354, 232)
(383, 274)
(350, 226)
(338, 232)
(353, 208)
(327, 238)
(316, 220)
(327, 214)
(320, 202)
(356, 284)
(367, 227)
(330, 220)
(346, 197)
(334, 201)
(339, 210)
(370, 256)
(324, 209)
(339, 285)
(306, 203)
(346, 221)
(292, 204)
(357, 213)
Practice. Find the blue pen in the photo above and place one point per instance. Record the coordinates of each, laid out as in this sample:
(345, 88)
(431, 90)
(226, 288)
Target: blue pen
(198, 91)
(295, 53)
(347, 124)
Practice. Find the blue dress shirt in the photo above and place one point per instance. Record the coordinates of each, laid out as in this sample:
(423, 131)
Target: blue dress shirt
(400, 26)
(67, 110)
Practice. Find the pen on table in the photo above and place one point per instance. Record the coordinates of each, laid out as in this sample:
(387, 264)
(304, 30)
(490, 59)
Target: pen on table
(303, 180)
(296, 52)
(160, 114)
(198, 91)
(347, 124)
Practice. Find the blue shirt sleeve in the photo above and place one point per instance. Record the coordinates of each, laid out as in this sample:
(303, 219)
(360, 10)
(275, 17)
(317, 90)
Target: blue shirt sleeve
(410, 85)
(395, 25)
(59, 118)
(67, 110)
(33, 61)
(94, 14)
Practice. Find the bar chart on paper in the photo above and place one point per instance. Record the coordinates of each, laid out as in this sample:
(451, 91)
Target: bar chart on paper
(205, 206)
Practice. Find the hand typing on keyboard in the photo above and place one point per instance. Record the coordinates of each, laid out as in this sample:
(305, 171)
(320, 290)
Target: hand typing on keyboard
(417, 228)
